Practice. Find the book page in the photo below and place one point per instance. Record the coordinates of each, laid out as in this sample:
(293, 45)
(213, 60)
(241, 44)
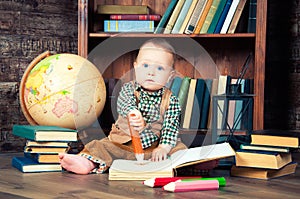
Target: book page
(201, 154)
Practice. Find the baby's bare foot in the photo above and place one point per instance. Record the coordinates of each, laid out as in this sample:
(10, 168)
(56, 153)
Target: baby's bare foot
(76, 163)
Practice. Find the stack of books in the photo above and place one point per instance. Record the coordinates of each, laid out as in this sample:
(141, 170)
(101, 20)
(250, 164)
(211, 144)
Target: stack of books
(127, 18)
(269, 155)
(43, 144)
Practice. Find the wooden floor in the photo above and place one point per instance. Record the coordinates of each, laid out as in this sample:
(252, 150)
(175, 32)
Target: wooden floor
(14, 184)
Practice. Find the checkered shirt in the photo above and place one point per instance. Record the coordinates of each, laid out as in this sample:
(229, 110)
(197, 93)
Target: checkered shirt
(149, 106)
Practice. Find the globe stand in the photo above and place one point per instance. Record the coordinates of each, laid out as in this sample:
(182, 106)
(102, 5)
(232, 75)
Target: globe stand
(22, 86)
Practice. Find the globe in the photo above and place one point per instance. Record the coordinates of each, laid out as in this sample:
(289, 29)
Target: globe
(63, 90)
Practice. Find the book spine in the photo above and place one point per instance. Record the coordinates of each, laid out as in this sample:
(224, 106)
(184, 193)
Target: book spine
(173, 17)
(122, 9)
(135, 17)
(195, 17)
(236, 16)
(182, 14)
(203, 16)
(206, 104)
(223, 16)
(210, 15)
(229, 16)
(252, 17)
(187, 17)
(165, 17)
(128, 26)
(197, 105)
(216, 17)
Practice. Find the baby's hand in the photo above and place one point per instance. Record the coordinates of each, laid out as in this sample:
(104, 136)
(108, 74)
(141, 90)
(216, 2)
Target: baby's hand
(136, 120)
(160, 153)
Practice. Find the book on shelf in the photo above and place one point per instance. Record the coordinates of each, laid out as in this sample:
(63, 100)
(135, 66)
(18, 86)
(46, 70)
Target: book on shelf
(132, 170)
(229, 16)
(128, 26)
(173, 17)
(223, 85)
(262, 159)
(265, 148)
(189, 104)
(195, 16)
(216, 17)
(206, 104)
(251, 28)
(175, 86)
(166, 16)
(152, 17)
(223, 16)
(123, 9)
(43, 157)
(45, 133)
(203, 16)
(236, 17)
(210, 15)
(197, 104)
(262, 173)
(28, 165)
(183, 91)
(272, 137)
(184, 16)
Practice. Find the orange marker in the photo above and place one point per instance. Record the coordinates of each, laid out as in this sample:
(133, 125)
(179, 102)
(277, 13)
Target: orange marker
(136, 141)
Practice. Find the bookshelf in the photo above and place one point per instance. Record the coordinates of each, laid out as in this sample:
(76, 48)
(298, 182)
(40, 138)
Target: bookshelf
(228, 51)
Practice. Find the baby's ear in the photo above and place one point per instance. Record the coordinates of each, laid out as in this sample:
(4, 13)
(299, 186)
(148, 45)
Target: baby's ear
(135, 64)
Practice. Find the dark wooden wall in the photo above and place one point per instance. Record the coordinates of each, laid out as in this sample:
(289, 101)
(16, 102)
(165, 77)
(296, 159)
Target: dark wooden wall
(30, 27)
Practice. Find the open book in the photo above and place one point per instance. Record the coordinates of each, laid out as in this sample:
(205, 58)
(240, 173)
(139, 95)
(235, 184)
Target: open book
(132, 170)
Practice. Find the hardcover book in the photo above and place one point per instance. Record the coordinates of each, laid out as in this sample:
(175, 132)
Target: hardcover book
(123, 9)
(229, 16)
(223, 16)
(236, 17)
(216, 17)
(198, 104)
(45, 133)
(128, 26)
(43, 157)
(195, 16)
(262, 159)
(46, 144)
(203, 16)
(210, 15)
(152, 17)
(271, 137)
(173, 17)
(33, 149)
(162, 23)
(265, 148)
(261, 173)
(132, 170)
(28, 165)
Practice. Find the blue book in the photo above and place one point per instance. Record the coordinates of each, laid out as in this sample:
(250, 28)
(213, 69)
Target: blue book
(128, 26)
(162, 23)
(28, 165)
(216, 17)
(44, 133)
(223, 16)
(197, 105)
(252, 17)
(176, 85)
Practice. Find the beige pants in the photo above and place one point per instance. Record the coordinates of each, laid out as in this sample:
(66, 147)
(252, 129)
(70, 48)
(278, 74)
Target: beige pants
(108, 151)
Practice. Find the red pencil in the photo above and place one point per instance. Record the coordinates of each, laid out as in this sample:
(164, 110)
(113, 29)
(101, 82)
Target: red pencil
(198, 185)
(160, 182)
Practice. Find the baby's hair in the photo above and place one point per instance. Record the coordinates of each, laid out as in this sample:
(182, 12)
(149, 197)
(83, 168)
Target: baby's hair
(159, 43)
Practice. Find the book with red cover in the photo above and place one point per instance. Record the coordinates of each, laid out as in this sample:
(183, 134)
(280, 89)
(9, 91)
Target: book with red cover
(153, 17)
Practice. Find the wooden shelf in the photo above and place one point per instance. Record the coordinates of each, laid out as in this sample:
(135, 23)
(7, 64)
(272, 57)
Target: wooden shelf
(236, 36)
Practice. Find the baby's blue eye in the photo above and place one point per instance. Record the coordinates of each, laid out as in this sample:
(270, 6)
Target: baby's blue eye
(145, 65)
(160, 68)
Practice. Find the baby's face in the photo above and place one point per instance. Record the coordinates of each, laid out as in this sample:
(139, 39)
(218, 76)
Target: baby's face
(153, 68)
